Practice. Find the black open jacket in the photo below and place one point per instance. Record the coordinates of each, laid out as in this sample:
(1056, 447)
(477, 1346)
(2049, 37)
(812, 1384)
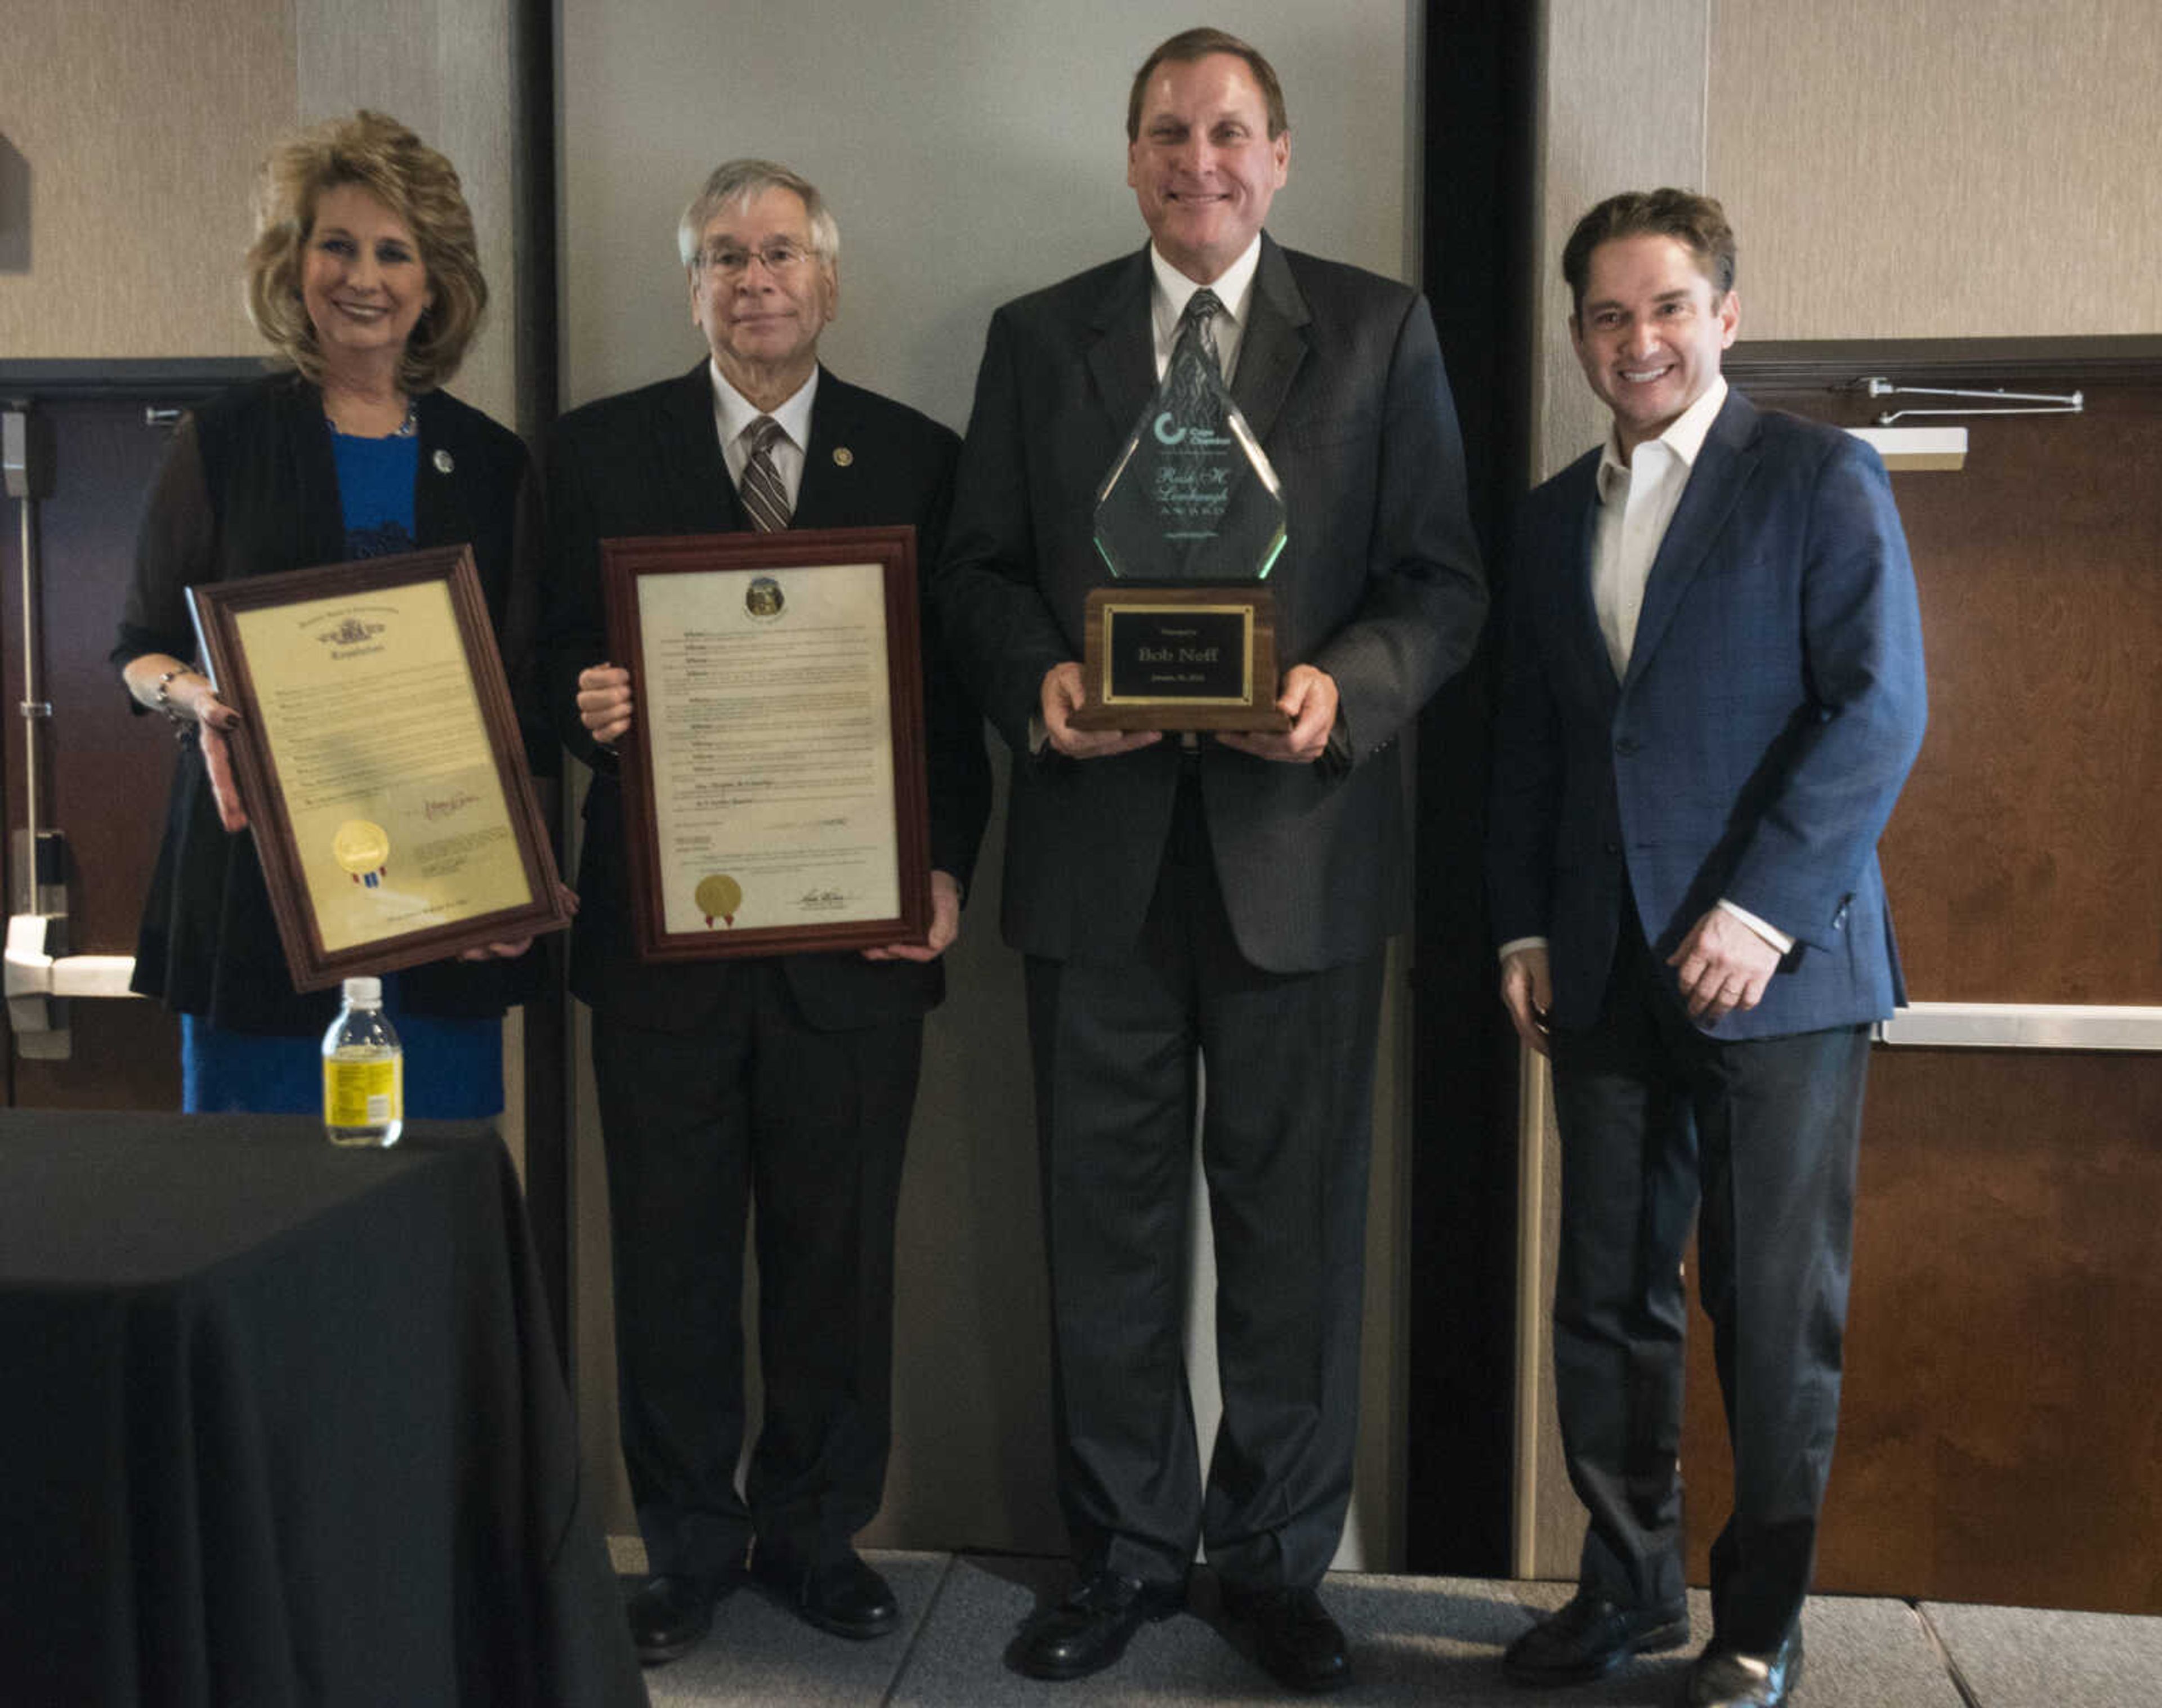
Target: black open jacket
(249, 487)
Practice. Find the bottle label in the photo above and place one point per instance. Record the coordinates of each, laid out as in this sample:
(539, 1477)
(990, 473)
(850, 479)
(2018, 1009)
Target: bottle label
(364, 1094)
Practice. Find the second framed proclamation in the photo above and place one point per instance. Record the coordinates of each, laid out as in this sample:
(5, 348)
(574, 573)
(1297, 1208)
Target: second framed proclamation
(774, 782)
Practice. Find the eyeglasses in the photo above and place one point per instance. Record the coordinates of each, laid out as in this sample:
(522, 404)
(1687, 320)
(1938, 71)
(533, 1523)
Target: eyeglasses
(780, 256)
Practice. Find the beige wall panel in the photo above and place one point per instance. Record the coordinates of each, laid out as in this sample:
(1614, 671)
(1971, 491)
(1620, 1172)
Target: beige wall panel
(384, 56)
(139, 129)
(1622, 109)
(1374, 1533)
(1941, 168)
(443, 67)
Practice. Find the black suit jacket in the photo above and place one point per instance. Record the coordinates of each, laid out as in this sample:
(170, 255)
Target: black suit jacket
(1340, 376)
(649, 461)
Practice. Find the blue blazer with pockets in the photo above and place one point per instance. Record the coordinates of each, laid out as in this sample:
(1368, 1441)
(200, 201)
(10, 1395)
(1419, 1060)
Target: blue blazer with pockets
(1773, 702)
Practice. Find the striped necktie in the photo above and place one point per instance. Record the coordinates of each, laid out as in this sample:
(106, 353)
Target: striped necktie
(763, 492)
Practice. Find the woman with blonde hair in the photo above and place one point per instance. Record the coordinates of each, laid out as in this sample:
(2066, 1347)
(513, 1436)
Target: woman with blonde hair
(365, 278)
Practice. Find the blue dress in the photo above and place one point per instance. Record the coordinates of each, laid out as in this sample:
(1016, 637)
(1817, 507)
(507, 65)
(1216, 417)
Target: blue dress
(453, 1067)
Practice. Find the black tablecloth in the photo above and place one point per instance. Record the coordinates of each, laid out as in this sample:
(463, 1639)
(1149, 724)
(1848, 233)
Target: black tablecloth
(283, 1423)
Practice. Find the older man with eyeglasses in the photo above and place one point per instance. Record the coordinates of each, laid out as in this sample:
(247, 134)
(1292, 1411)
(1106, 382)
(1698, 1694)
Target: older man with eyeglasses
(784, 1080)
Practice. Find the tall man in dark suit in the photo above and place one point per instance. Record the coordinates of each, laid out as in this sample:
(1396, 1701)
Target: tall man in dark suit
(1712, 692)
(787, 1081)
(1221, 901)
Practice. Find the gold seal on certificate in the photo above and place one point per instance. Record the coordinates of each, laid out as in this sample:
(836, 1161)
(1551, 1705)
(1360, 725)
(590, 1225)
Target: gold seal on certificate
(363, 848)
(381, 762)
(773, 779)
(718, 895)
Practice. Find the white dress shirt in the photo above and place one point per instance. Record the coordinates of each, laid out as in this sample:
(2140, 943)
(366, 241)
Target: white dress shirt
(1637, 496)
(1637, 500)
(732, 415)
(1235, 289)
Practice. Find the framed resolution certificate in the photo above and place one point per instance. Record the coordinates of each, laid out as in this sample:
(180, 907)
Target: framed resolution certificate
(773, 778)
(381, 761)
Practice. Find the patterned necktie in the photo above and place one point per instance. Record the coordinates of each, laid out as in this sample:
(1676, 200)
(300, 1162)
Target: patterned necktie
(1201, 308)
(763, 493)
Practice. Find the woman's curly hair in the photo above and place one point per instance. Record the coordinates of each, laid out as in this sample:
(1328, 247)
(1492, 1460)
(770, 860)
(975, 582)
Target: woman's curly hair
(416, 183)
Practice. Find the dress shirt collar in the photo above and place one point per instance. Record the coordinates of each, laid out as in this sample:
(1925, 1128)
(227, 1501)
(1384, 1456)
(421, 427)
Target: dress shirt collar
(1234, 288)
(732, 412)
(1684, 438)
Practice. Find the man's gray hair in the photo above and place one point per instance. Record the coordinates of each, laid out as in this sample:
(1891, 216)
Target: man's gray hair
(734, 183)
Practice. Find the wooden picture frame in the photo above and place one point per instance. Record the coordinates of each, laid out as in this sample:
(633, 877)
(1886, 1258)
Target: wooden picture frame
(379, 758)
(775, 791)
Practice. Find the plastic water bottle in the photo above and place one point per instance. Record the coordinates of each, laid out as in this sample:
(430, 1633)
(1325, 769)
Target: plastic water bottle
(363, 1071)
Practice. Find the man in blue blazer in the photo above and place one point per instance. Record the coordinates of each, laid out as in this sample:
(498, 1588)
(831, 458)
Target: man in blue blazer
(786, 1080)
(1223, 900)
(1712, 691)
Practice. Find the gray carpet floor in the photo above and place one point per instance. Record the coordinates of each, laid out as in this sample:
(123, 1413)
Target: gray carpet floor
(1422, 1641)
(2033, 1657)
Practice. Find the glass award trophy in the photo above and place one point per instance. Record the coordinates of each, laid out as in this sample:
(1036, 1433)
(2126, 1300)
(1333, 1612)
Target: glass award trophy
(1190, 521)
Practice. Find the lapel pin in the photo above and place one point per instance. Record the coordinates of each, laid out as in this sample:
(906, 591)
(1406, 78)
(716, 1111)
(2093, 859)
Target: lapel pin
(843, 457)
(443, 463)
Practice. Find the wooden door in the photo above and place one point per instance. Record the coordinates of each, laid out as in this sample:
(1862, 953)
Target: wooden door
(2002, 1414)
(72, 754)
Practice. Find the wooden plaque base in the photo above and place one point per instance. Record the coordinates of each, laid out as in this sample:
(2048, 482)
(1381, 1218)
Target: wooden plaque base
(1180, 658)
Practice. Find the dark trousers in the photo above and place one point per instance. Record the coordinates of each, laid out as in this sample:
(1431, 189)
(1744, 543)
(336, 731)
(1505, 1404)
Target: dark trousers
(811, 1126)
(1656, 1119)
(1287, 1118)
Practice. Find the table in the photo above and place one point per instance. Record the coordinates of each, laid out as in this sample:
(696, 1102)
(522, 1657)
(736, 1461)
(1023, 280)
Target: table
(283, 1423)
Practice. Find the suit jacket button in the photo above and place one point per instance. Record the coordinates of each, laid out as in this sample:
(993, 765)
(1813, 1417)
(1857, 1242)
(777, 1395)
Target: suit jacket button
(1626, 745)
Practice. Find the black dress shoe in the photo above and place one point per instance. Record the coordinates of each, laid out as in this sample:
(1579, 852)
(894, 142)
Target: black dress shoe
(845, 1596)
(1091, 1628)
(1300, 1645)
(1590, 1636)
(1727, 1677)
(671, 1614)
